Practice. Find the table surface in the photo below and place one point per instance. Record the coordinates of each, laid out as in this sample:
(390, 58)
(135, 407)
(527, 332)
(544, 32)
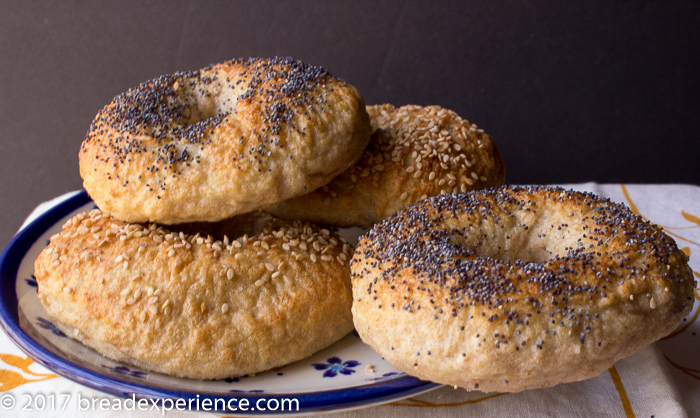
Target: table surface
(660, 380)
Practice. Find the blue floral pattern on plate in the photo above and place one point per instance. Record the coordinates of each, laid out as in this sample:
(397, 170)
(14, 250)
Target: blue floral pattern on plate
(46, 324)
(385, 376)
(127, 371)
(31, 281)
(335, 365)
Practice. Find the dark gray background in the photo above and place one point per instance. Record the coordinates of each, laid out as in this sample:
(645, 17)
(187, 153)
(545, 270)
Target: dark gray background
(571, 91)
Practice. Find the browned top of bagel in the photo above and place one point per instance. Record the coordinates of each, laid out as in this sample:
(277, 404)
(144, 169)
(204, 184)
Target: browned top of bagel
(233, 298)
(415, 152)
(227, 139)
(516, 288)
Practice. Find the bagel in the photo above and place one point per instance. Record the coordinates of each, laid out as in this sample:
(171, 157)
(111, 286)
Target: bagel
(224, 140)
(415, 152)
(516, 288)
(193, 306)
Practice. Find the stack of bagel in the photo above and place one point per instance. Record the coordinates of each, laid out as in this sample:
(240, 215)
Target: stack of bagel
(214, 254)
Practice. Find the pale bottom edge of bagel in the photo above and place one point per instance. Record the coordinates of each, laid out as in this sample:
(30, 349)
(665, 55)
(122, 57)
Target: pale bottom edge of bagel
(104, 349)
(110, 351)
(586, 370)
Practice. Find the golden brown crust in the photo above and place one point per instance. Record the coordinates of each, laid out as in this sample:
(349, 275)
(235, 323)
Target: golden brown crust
(415, 152)
(192, 306)
(516, 288)
(228, 139)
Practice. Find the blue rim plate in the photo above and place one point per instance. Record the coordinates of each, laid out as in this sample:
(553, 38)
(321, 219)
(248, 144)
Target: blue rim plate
(334, 379)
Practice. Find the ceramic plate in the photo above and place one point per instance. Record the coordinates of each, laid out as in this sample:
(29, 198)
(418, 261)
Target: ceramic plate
(336, 378)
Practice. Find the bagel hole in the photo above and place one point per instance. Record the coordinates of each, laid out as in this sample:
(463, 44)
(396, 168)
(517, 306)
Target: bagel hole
(205, 102)
(529, 255)
(538, 243)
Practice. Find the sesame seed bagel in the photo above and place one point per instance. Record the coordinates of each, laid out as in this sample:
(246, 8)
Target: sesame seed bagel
(415, 152)
(190, 305)
(224, 140)
(516, 288)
